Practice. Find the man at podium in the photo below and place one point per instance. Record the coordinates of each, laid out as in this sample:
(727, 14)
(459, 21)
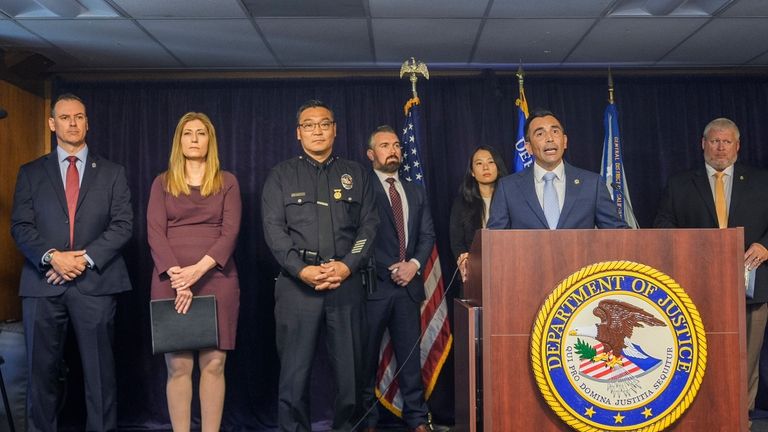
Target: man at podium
(723, 194)
(551, 194)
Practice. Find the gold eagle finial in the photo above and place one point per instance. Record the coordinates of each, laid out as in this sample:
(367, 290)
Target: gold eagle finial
(413, 68)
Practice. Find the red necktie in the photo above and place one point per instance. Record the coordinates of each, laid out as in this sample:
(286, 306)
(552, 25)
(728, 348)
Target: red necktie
(397, 212)
(72, 189)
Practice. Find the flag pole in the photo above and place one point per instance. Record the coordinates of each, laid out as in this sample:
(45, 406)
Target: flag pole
(610, 86)
(520, 76)
(413, 68)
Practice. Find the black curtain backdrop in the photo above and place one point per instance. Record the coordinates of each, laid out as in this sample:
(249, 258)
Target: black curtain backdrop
(661, 119)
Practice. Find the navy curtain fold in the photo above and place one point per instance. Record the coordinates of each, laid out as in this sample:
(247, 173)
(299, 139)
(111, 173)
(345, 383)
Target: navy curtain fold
(661, 120)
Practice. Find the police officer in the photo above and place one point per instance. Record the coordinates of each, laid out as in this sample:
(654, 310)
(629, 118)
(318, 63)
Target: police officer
(320, 220)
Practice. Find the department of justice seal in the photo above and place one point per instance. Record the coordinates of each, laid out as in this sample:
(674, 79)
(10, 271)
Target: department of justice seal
(618, 346)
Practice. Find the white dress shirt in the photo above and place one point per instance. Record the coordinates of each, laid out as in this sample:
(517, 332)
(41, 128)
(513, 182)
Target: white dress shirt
(558, 182)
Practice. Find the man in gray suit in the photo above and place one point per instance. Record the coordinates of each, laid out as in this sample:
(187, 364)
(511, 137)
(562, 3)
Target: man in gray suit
(694, 199)
(71, 216)
(551, 194)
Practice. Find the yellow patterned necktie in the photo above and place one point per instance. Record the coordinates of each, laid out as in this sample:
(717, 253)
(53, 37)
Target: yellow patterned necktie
(722, 212)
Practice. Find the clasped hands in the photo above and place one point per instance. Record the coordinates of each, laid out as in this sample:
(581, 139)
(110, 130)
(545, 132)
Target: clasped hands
(183, 278)
(326, 276)
(66, 266)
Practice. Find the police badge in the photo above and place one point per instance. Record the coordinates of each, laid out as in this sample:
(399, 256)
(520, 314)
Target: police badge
(346, 181)
(618, 346)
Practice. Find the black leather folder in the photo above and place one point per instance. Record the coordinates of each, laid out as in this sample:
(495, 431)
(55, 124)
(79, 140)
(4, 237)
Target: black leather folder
(195, 330)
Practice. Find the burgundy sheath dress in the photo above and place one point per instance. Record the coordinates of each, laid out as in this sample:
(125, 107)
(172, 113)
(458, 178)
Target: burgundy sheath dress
(181, 230)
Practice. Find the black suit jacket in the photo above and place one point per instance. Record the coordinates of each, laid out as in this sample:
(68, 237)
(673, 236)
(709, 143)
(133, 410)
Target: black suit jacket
(688, 203)
(462, 228)
(103, 224)
(421, 238)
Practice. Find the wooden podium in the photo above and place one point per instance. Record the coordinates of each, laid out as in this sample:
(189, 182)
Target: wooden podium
(513, 271)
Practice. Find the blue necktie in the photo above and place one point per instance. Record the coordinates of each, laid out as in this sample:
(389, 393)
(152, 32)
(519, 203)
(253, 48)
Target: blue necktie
(551, 204)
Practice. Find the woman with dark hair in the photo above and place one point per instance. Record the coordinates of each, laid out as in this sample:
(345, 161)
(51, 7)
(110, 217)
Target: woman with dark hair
(470, 209)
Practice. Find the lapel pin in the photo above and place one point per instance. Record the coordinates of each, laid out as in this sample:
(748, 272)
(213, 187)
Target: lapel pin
(576, 181)
(741, 177)
(93, 164)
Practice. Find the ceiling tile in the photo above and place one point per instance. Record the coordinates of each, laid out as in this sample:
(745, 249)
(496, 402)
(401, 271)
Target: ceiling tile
(747, 8)
(633, 40)
(430, 40)
(22, 9)
(548, 8)
(104, 43)
(428, 8)
(182, 8)
(16, 38)
(318, 42)
(530, 40)
(723, 41)
(761, 60)
(667, 8)
(306, 8)
(13, 35)
(212, 43)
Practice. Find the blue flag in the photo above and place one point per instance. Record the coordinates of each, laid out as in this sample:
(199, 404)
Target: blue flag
(612, 167)
(523, 159)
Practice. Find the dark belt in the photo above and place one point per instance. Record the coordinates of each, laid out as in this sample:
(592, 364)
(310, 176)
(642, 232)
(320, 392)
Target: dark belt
(313, 257)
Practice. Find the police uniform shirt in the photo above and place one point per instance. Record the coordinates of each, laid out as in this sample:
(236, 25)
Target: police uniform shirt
(289, 211)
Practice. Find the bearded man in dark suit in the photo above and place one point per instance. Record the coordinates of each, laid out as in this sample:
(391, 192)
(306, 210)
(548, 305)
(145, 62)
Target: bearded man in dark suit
(403, 245)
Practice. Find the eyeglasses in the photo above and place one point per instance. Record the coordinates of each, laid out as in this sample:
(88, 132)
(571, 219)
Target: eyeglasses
(716, 142)
(309, 126)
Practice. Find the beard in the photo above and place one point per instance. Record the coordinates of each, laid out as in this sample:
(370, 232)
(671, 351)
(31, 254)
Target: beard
(389, 167)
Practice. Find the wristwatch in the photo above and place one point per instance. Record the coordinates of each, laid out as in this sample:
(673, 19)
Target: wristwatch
(48, 257)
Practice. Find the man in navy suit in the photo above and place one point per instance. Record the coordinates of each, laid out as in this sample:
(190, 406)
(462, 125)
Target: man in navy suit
(403, 244)
(580, 198)
(71, 216)
(691, 201)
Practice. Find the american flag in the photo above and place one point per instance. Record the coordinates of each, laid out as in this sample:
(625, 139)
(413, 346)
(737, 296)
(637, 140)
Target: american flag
(437, 339)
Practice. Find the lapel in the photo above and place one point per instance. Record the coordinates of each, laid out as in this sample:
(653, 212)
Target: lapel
(54, 175)
(383, 198)
(91, 169)
(574, 185)
(701, 183)
(738, 191)
(408, 188)
(526, 184)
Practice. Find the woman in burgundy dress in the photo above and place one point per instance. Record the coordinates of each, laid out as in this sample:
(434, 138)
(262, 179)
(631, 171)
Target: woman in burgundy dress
(193, 219)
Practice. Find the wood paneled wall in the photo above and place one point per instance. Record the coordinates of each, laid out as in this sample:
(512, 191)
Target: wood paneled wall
(23, 136)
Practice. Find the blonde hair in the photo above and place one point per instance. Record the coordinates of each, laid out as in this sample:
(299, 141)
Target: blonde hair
(175, 179)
